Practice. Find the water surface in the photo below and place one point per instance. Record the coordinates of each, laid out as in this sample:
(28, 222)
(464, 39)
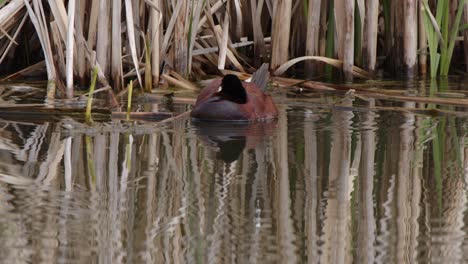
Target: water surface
(336, 182)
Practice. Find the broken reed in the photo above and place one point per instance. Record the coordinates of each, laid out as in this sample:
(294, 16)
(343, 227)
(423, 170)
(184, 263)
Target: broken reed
(126, 39)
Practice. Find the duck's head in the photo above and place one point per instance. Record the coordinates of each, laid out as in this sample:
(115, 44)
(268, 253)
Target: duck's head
(231, 89)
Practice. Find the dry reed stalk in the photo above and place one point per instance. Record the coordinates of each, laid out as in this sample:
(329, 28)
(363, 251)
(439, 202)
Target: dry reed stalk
(217, 31)
(203, 51)
(182, 79)
(69, 49)
(169, 30)
(339, 16)
(239, 24)
(59, 12)
(92, 27)
(131, 38)
(370, 34)
(348, 41)
(422, 41)
(259, 42)
(209, 12)
(103, 32)
(359, 28)
(211, 58)
(116, 58)
(13, 38)
(195, 14)
(410, 46)
(58, 45)
(38, 20)
(173, 81)
(223, 45)
(355, 71)
(323, 28)
(180, 36)
(465, 35)
(138, 17)
(80, 49)
(9, 11)
(156, 17)
(280, 32)
(344, 16)
(35, 68)
(313, 27)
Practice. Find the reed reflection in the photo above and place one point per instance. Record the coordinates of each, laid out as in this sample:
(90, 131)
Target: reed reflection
(335, 185)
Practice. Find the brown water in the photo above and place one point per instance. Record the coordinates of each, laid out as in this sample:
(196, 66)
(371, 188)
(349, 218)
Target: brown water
(328, 184)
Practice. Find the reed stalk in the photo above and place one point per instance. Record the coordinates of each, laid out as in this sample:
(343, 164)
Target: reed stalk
(156, 17)
(422, 41)
(348, 39)
(441, 34)
(131, 39)
(260, 53)
(148, 71)
(116, 58)
(370, 35)
(180, 36)
(465, 36)
(129, 99)
(38, 20)
(410, 36)
(80, 42)
(223, 45)
(92, 26)
(70, 47)
(360, 15)
(280, 32)
(330, 44)
(313, 26)
(103, 34)
(89, 104)
(185, 35)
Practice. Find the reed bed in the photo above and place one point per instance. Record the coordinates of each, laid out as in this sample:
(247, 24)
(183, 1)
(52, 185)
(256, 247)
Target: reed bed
(148, 41)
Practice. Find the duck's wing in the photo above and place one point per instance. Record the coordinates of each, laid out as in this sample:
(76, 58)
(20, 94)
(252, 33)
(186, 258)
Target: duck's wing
(261, 77)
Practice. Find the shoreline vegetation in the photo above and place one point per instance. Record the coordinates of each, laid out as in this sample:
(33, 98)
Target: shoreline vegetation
(156, 43)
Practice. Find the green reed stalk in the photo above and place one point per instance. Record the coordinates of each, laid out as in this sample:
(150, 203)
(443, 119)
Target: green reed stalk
(88, 118)
(440, 35)
(148, 71)
(446, 60)
(129, 99)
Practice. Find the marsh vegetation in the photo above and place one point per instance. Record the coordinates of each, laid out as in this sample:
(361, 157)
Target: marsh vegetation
(157, 43)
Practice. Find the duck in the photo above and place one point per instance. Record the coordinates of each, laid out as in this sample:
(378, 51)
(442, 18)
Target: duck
(230, 99)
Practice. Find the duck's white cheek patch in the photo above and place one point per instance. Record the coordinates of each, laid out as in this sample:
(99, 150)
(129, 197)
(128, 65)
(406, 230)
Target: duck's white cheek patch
(220, 89)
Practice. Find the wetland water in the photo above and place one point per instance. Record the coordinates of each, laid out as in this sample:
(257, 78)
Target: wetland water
(328, 183)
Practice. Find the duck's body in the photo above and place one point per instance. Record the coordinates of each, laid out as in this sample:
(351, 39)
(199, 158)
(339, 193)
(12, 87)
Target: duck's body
(229, 99)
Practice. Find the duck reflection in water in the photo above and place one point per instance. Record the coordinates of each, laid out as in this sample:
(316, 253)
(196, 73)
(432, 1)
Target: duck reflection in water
(230, 139)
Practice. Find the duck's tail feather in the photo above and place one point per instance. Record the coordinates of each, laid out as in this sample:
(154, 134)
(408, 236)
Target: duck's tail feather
(261, 77)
